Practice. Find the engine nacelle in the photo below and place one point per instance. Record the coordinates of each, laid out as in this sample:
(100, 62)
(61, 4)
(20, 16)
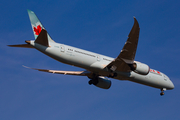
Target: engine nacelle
(141, 68)
(101, 82)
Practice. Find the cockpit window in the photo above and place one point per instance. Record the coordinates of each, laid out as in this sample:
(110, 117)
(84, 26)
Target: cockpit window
(165, 77)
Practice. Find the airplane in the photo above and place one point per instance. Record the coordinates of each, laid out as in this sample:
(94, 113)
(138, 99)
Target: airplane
(98, 68)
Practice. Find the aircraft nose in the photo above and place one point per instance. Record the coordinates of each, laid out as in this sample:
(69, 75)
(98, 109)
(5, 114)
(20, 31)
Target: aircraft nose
(171, 85)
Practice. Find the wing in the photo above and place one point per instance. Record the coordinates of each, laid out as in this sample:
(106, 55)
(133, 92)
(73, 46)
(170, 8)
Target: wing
(79, 73)
(127, 54)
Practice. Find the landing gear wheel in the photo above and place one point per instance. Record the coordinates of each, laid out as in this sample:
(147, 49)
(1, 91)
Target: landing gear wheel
(93, 81)
(90, 82)
(162, 93)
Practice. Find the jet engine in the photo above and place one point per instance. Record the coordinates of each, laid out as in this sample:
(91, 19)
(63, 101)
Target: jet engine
(140, 68)
(101, 82)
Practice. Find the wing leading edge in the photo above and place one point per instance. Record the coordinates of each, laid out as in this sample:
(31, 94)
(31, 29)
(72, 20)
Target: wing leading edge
(127, 54)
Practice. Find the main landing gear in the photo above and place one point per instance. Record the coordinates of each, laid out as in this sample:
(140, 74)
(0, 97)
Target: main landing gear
(112, 75)
(93, 80)
(162, 91)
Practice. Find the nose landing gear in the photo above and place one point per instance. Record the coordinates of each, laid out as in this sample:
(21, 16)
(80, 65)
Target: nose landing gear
(162, 91)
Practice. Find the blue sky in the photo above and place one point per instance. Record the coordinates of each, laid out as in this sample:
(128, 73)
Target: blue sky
(98, 26)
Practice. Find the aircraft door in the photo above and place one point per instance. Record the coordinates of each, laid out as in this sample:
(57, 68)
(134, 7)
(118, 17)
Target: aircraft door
(98, 58)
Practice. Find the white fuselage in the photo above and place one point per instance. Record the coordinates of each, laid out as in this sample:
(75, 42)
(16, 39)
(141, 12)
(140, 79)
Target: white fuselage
(97, 63)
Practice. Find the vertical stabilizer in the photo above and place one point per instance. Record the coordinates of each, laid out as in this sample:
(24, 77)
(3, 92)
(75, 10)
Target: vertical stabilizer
(37, 27)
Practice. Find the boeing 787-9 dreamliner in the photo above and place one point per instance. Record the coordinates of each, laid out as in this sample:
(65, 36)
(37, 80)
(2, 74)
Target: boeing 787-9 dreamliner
(98, 68)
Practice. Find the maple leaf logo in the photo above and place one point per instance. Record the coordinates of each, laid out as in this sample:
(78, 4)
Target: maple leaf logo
(37, 30)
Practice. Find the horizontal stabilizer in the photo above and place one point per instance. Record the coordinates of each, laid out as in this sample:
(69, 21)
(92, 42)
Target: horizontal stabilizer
(22, 45)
